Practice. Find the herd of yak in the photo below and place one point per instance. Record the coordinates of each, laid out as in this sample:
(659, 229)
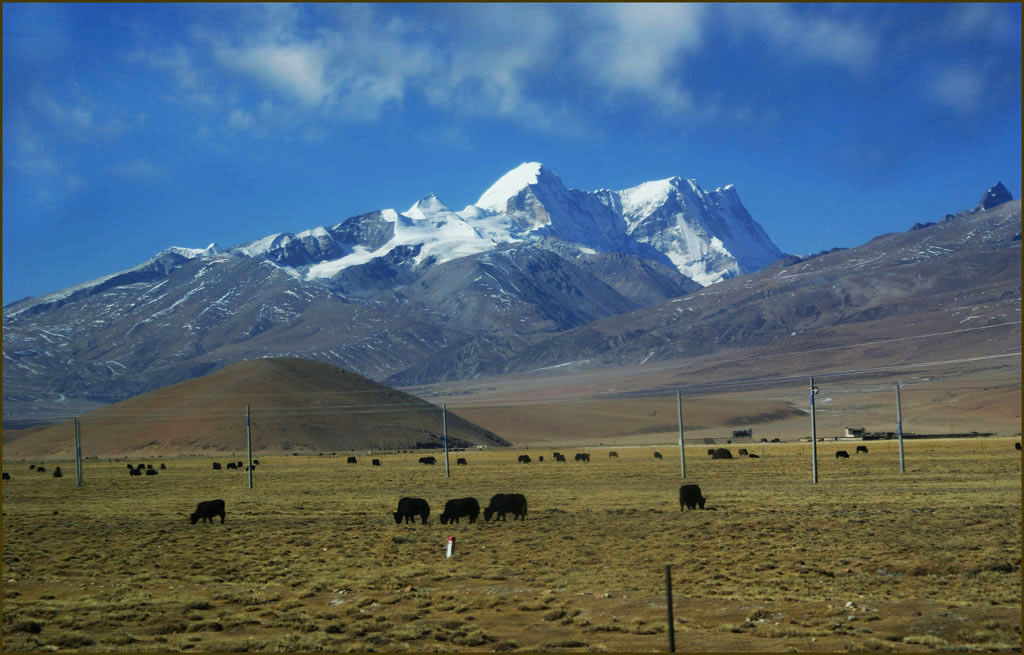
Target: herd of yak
(690, 496)
(500, 506)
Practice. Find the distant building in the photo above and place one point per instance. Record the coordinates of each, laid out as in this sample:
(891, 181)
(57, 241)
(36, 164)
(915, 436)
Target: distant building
(855, 432)
(743, 434)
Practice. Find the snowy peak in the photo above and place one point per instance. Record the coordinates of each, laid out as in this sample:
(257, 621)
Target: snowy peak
(191, 253)
(427, 207)
(708, 235)
(509, 185)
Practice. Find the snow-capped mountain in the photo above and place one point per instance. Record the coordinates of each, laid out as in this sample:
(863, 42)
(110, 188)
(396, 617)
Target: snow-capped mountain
(379, 292)
(707, 236)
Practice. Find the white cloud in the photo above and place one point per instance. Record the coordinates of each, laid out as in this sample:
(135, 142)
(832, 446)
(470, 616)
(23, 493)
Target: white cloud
(641, 48)
(240, 119)
(140, 169)
(979, 20)
(540, 65)
(30, 152)
(178, 61)
(807, 35)
(296, 70)
(77, 118)
(74, 182)
(961, 88)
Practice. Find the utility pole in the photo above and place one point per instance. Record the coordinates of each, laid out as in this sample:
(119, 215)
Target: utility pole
(444, 430)
(899, 427)
(814, 437)
(78, 453)
(671, 619)
(248, 441)
(682, 452)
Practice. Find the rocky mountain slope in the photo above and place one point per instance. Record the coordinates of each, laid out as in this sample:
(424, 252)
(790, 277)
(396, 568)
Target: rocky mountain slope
(955, 275)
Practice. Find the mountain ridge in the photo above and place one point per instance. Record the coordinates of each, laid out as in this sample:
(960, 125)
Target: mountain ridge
(409, 318)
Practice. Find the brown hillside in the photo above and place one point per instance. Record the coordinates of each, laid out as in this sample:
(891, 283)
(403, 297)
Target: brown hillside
(297, 405)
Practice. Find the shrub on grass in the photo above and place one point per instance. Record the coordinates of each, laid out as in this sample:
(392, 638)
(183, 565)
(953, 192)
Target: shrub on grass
(471, 638)
(554, 615)
(506, 645)
(30, 626)
(926, 640)
(119, 639)
(869, 645)
(72, 640)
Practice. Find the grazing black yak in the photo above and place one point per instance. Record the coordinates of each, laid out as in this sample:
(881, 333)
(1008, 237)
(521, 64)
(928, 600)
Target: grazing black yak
(208, 509)
(502, 503)
(690, 496)
(842, 453)
(459, 507)
(410, 508)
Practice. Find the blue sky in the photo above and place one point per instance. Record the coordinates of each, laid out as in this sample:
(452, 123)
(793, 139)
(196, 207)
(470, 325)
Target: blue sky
(129, 128)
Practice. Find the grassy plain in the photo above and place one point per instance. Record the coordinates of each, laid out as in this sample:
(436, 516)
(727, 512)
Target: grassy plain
(310, 559)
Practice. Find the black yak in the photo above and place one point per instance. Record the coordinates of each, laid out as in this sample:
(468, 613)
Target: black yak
(410, 508)
(502, 503)
(459, 507)
(208, 509)
(690, 497)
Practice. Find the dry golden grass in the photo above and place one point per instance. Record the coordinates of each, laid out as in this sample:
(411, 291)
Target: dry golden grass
(311, 559)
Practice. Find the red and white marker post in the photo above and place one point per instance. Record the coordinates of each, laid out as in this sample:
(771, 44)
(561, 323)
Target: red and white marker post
(451, 547)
